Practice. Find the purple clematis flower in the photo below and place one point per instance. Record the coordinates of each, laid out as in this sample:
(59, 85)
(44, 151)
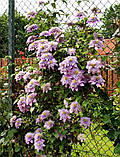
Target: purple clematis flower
(46, 87)
(61, 136)
(80, 15)
(72, 75)
(67, 65)
(41, 2)
(53, 45)
(30, 87)
(29, 137)
(39, 130)
(97, 44)
(31, 15)
(66, 80)
(42, 116)
(31, 39)
(31, 47)
(56, 31)
(45, 114)
(27, 76)
(37, 137)
(31, 99)
(75, 107)
(93, 20)
(43, 41)
(64, 114)
(71, 51)
(74, 84)
(18, 123)
(37, 43)
(97, 36)
(85, 121)
(42, 48)
(39, 145)
(45, 33)
(12, 120)
(94, 66)
(19, 76)
(81, 137)
(97, 80)
(65, 103)
(47, 60)
(38, 120)
(22, 105)
(49, 124)
(32, 28)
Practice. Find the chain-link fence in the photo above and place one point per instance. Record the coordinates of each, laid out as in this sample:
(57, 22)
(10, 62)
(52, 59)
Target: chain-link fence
(98, 140)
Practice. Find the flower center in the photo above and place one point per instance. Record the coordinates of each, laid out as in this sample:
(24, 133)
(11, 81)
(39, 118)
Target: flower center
(66, 77)
(44, 114)
(92, 65)
(38, 135)
(74, 105)
(63, 65)
(64, 112)
(97, 41)
(97, 77)
(70, 59)
(74, 81)
(31, 82)
(28, 136)
(43, 46)
(85, 120)
(76, 72)
(49, 123)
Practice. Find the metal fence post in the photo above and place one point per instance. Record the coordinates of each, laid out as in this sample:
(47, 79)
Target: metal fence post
(11, 19)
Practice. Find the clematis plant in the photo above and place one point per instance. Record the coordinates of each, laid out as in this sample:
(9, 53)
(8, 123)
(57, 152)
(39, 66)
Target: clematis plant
(53, 99)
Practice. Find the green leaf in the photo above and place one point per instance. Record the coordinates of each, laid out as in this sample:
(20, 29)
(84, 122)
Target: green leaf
(53, 5)
(56, 135)
(78, 2)
(32, 109)
(17, 148)
(64, 1)
(85, 103)
(107, 119)
(3, 133)
(118, 84)
(117, 149)
(11, 133)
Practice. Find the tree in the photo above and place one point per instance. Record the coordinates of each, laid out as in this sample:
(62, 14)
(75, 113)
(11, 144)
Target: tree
(20, 42)
(111, 20)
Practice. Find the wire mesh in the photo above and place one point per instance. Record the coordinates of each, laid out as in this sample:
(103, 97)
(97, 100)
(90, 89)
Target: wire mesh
(97, 144)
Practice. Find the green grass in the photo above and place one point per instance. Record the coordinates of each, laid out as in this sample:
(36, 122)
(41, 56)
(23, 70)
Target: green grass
(97, 144)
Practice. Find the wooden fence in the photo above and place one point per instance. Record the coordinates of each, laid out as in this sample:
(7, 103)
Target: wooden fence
(110, 75)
